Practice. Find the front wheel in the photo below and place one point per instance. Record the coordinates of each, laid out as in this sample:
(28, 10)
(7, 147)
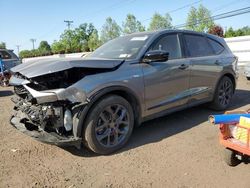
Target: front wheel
(223, 94)
(109, 125)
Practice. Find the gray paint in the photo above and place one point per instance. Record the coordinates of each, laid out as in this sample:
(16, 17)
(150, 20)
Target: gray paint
(51, 65)
(159, 86)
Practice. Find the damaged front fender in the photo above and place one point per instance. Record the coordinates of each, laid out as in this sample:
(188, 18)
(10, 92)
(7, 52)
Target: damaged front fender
(71, 94)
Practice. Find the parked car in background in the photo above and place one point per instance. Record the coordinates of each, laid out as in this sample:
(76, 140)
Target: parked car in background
(99, 99)
(9, 60)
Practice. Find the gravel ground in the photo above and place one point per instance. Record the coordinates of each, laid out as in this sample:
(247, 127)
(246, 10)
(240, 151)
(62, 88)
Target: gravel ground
(179, 150)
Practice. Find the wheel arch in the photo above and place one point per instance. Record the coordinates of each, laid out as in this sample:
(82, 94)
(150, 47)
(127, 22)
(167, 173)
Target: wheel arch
(122, 91)
(232, 78)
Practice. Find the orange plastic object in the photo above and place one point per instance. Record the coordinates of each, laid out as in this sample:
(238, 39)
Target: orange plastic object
(228, 141)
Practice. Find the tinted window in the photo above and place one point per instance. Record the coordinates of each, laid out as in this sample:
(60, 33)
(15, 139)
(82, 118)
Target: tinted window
(197, 46)
(169, 43)
(5, 55)
(217, 47)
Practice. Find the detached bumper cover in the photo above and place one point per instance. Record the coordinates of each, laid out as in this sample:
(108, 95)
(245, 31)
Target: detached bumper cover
(41, 135)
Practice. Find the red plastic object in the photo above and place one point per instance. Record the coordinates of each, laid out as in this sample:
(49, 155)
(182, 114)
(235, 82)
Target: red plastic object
(228, 141)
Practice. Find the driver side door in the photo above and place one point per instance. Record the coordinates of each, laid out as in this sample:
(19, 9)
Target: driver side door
(166, 83)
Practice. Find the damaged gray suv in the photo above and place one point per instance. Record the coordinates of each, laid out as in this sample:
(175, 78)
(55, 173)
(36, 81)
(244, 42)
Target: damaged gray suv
(99, 99)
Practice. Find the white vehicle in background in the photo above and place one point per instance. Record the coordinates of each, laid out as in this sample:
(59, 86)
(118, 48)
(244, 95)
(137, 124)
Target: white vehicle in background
(240, 46)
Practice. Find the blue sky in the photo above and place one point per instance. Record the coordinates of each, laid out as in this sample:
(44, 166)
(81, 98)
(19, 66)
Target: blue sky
(43, 19)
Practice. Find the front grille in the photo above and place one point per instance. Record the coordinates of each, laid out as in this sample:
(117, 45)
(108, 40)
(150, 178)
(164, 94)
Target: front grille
(22, 92)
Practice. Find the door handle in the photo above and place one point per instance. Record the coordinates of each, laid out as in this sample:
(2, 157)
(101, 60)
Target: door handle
(183, 66)
(217, 62)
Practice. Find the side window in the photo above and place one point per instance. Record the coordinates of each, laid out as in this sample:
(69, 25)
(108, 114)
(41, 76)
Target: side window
(169, 43)
(197, 46)
(217, 47)
(5, 55)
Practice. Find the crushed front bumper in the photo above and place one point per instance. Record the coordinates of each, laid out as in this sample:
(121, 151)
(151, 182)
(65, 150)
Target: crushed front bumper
(41, 135)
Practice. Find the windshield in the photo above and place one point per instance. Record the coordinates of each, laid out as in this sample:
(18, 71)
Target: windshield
(126, 47)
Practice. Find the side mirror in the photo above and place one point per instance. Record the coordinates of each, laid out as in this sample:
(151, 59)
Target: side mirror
(155, 56)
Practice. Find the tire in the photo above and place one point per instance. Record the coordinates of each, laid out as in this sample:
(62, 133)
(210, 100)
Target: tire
(109, 125)
(223, 94)
(230, 157)
(248, 78)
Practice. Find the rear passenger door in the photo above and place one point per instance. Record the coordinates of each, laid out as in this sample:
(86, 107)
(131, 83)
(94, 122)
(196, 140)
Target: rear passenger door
(205, 67)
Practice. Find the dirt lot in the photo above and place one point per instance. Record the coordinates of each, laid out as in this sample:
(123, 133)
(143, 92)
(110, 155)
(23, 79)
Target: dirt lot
(179, 150)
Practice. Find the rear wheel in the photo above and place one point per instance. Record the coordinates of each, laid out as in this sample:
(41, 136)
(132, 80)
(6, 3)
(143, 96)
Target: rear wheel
(223, 94)
(109, 125)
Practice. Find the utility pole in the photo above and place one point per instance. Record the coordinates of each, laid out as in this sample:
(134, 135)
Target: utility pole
(69, 22)
(18, 47)
(33, 43)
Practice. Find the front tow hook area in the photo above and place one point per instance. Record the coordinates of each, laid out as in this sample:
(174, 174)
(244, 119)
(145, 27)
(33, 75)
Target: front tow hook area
(47, 137)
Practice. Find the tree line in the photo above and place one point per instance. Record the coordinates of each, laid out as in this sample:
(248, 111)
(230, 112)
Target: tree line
(86, 37)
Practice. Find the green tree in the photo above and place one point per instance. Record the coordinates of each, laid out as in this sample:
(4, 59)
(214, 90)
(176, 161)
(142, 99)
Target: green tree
(199, 19)
(110, 30)
(25, 54)
(35, 53)
(239, 32)
(69, 40)
(132, 25)
(192, 19)
(246, 30)
(94, 41)
(82, 34)
(2, 45)
(58, 47)
(230, 33)
(74, 40)
(160, 22)
(44, 48)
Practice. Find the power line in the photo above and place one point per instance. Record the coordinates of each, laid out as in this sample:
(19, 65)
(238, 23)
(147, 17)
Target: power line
(177, 9)
(226, 5)
(68, 22)
(93, 13)
(171, 11)
(217, 17)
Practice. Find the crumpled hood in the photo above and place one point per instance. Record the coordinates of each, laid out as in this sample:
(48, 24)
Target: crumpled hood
(51, 65)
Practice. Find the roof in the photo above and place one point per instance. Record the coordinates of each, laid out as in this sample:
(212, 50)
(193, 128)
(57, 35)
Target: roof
(170, 31)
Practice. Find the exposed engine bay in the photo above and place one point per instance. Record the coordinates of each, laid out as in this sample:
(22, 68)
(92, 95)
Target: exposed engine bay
(48, 105)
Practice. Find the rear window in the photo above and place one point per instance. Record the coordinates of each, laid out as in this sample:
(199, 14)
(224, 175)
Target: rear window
(197, 46)
(5, 55)
(217, 47)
